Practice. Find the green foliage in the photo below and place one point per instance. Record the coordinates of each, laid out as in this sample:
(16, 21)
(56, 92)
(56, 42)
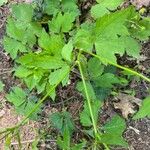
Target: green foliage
(85, 117)
(109, 37)
(67, 51)
(22, 103)
(22, 12)
(144, 110)
(113, 131)
(95, 68)
(54, 6)
(48, 42)
(62, 121)
(12, 47)
(61, 23)
(140, 28)
(64, 143)
(104, 7)
(84, 38)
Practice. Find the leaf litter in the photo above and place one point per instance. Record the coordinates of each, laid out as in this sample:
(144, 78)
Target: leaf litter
(126, 104)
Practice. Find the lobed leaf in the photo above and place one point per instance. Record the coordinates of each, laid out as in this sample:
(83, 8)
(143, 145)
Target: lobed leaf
(110, 40)
(106, 80)
(13, 46)
(61, 23)
(95, 68)
(33, 60)
(85, 117)
(62, 121)
(67, 51)
(52, 44)
(58, 75)
(141, 28)
(23, 106)
(113, 131)
(53, 7)
(23, 12)
(105, 7)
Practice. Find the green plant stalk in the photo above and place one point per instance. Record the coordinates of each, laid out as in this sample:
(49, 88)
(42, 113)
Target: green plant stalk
(89, 102)
(88, 98)
(35, 108)
(106, 147)
(119, 66)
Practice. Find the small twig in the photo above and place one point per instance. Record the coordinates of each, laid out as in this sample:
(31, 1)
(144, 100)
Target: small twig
(63, 101)
(145, 85)
(77, 109)
(23, 142)
(134, 129)
(5, 69)
(5, 72)
(76, 72)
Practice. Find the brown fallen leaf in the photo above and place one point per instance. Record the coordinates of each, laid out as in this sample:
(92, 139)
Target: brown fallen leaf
(126, 104)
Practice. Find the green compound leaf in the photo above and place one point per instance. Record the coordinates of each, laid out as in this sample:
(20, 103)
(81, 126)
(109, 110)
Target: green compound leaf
(67, 51)
(22, 32)
(14, 31)
(1, 86)
(22, 12)
(62, 121)
(106, 80)
(57, 75)
(33, 80)
(104, 7)
(33, 60)
(113, 132)
(71, 7)
(144, 110)
(13, 46)
(95, 68)
(52, 44)
(22, 105)
(45, 40)
(90, 90)
(141, 28)
(110, 40)
(85, 116)
(17, 96)
(61, 23)
(53, 7)
(22, 72)
(64, 142)
(36, 28)
(84, 38)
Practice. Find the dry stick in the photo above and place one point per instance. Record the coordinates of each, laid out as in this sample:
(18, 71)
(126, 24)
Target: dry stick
(23, 142)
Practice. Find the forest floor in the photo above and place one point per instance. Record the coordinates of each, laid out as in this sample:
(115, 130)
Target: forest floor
(137, 133)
